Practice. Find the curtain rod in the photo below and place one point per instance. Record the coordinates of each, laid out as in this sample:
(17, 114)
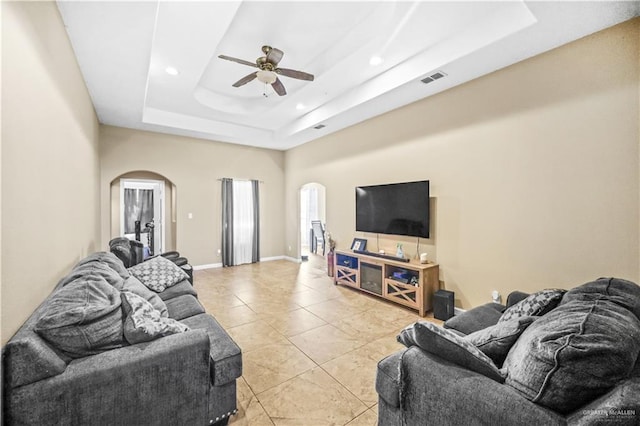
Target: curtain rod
(243, 180)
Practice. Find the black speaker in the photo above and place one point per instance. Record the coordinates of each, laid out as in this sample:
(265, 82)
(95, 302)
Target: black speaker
(443, 305)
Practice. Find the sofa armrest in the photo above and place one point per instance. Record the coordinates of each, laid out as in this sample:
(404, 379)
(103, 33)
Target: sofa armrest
(388, 378)
(443, 393)
(475, 319)
(148, 383)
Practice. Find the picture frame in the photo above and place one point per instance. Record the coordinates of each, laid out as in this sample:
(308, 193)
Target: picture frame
(359, 244)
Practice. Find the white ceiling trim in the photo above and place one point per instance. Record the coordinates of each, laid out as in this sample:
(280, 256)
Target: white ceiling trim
(123, 49)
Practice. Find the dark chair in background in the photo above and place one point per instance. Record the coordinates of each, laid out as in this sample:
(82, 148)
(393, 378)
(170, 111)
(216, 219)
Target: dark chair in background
(317, 236)
(131, 252)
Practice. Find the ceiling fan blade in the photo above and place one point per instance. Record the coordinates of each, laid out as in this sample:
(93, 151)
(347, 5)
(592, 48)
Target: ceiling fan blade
(294, 74)
(279, 87)
(244, 80)
(240, 61)
(274, 56)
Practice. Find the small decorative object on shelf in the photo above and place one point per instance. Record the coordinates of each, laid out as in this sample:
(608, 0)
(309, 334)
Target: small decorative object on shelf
(399, 251)
(331, 253)
(423, 258)
(331, 241)
(359, 244)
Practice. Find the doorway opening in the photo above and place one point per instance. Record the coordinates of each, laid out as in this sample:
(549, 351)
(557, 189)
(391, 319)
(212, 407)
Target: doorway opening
(142, 213)
(312, 210)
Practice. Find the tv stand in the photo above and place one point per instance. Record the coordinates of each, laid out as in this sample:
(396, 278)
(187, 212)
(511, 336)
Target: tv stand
(383, 256)
(402, 281)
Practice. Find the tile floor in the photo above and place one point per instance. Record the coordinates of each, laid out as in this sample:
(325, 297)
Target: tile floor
(310, 348)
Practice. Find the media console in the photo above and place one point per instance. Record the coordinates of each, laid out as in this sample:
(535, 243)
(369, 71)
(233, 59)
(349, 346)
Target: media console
(402, 281)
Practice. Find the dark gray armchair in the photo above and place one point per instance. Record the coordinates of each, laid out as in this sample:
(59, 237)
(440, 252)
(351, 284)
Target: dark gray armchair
(131, 252)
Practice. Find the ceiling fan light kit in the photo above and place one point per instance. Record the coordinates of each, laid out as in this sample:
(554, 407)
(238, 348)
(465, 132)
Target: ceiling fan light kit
(267, 77)
(268, 70)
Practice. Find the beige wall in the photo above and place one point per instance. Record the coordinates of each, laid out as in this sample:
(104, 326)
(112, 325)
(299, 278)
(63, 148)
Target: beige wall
(533, 170)
(194, 166)
(50, 216)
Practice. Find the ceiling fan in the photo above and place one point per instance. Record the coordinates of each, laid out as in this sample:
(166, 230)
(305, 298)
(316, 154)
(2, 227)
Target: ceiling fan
(268, 70)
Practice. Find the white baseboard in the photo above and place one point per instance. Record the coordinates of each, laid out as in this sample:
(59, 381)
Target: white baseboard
(262, 259)
(272, 258)
(209, 266)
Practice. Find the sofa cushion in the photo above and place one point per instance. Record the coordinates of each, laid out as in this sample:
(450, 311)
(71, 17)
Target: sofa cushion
(226, 357)
(143, 322)
(183, 287)
(108, 259)
(621, 292)
(579, 350)
(158, 273)
(83, 318)
(536, 304)
(183, 307)
(95, 270)
(133, 285)
(475, 319)
(450, 346)
(496, 341)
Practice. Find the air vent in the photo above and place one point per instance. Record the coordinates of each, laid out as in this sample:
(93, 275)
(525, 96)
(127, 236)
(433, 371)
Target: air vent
(433, 77)
(319, 126)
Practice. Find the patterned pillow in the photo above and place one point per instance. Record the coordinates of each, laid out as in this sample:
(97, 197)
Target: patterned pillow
(496, 341)
(536, 304)
(143, 322)
(158, 273)
(448, 345)
(133, 285)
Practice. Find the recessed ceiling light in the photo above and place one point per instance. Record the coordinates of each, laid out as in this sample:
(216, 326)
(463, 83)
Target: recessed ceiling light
(375, 60)
(171, 71)
(300, 106)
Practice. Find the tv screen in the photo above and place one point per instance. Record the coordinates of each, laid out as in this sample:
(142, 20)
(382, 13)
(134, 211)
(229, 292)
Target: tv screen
(397, 208)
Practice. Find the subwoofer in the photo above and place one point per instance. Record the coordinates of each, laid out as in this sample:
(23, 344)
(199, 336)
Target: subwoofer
(443, 304)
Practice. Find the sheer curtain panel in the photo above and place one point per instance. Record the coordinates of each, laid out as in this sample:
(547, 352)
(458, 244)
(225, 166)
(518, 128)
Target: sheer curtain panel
(240, 222)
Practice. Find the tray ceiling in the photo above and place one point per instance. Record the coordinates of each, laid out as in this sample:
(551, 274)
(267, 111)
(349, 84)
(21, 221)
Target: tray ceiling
(367, 58)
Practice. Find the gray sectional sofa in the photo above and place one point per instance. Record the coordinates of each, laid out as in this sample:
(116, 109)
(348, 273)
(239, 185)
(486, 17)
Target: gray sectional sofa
(569, 359)
(70, 365)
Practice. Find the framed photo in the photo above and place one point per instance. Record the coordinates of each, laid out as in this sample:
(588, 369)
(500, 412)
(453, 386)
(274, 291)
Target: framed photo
(359, 244)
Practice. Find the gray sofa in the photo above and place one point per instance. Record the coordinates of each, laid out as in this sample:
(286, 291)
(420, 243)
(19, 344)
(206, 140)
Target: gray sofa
(183, 378)
(573, 362)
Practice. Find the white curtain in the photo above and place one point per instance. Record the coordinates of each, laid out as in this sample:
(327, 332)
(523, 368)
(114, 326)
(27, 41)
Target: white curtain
(243, 222)
(308, 212)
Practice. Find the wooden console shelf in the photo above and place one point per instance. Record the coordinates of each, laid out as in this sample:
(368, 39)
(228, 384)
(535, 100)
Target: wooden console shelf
(410, 284)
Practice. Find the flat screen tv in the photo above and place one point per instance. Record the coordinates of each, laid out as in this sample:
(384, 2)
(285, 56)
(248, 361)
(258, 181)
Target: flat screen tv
(396, 208)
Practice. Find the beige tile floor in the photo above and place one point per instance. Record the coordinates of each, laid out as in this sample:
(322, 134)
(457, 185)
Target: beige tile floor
(309, 348)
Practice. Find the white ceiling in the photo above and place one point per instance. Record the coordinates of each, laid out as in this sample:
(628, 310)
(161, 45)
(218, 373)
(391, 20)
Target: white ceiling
(124, 48)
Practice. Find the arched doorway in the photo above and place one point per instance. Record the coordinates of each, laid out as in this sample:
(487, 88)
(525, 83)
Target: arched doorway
(312, 207)
(149, 198)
